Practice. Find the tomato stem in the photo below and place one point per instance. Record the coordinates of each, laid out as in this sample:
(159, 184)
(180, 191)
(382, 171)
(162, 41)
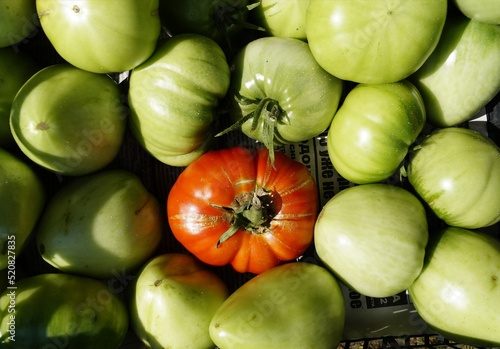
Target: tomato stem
(267, 112)
(228, 16)
(252, 212)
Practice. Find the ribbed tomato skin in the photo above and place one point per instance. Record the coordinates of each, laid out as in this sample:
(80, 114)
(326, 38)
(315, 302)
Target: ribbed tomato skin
(215, 179)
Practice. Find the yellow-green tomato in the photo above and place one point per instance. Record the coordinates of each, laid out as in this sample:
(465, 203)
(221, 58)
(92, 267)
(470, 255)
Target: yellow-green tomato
(292, 306)
(461, 75)
(62, 311)
(101, 224)
(173, 300)
(456, 171)
(458, 291)
(284, 18)
(22, 201)
(373, 129)
(374, 41)
(18, 20)
(373, 237)
(101, 36)
(68, 120)
(487, 11)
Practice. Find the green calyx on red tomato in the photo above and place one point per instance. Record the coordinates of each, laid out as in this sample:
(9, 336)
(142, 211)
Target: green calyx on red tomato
(280, 94)
(231, 206)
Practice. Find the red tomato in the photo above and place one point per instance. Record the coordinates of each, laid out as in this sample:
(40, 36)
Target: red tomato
(231, 206)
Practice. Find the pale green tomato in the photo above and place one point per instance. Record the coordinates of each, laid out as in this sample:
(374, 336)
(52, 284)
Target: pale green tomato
(100, 224)
(374, 41)
(458, 291)
(372, 131)
(62, 311)
(18, 20)
(487, 11)
(101, 36)
(456, 171)
(462, 74)
(174, 95)
(283, 18)
(373, 237)
(292, 306)
(173, 300)
(279, 92)
(15, 69)
(22, 201)
(69, 121)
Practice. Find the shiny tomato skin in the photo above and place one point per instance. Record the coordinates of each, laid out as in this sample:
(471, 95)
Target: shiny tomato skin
(456, 171)
(283, 71)
(101, 36)
(373, 130)
(217, 178)
(375, 41)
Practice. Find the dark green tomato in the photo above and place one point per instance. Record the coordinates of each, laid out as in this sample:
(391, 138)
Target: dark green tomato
(15, 69)
(62, 311)
(18, 20)
(220, 20)
(22, 201)
(279, 92)
(173, 98)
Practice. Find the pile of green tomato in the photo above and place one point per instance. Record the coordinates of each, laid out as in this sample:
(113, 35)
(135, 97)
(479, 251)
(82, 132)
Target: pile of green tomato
(144, 192)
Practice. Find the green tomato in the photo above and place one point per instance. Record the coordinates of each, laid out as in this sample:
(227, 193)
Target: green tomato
(62, 311)
(293, 306)
(458, 291)
(23, 199)
(173, 98)
(280, 94)
(486, 11)
(372, 131)
(461, 75)
(374, 41)
(18, 20)
(99, 225)
(373, 237)
(101, 36)
(69, 121)
(283, 18)
(456, 171)
(15, 69)
(173, 300)
(221, 20)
